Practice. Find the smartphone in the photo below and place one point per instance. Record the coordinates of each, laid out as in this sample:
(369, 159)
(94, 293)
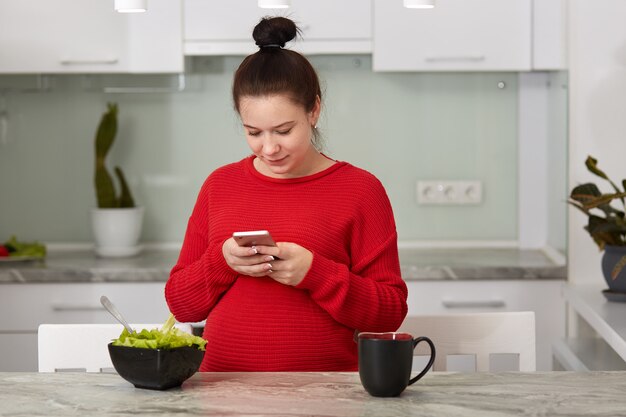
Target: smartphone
(254, 238)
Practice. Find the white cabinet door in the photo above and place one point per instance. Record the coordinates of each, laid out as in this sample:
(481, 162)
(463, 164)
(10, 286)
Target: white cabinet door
(331, 26)
(88, 36)
(541, 296)
(23, 307)
(549, 34)
(213, 27)
(457, 35)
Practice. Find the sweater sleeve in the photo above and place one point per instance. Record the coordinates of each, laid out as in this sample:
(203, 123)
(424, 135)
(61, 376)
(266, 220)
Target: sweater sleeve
(201, 275)
(369, 294)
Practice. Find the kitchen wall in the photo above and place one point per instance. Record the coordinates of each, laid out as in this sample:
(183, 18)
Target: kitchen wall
(597, 122)
(400, 126)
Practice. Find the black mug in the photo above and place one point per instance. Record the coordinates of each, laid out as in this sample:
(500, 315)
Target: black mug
(386, 359)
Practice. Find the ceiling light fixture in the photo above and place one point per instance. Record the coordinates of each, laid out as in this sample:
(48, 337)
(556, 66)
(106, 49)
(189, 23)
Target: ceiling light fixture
(274, 4)
(419, 4)
(131, 6)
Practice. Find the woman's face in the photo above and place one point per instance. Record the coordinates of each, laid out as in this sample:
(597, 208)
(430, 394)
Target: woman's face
(279, 133)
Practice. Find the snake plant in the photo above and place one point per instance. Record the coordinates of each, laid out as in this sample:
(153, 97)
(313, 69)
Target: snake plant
(105, 189)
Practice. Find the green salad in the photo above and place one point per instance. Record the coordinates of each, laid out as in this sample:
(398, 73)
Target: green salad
(168, 337)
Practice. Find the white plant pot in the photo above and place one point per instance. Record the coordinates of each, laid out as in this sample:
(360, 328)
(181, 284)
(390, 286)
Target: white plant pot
(116, 231)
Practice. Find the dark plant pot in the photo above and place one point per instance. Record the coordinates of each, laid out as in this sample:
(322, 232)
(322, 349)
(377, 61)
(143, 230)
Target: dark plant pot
(614, 268)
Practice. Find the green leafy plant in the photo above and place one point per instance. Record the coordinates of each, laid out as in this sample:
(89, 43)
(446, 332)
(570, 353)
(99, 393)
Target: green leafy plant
(105, 190)
(16, 248)
(606, 225)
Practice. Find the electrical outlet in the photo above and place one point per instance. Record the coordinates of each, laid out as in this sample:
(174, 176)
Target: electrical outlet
(449, 192)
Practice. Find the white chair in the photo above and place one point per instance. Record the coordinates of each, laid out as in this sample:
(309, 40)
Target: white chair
(82, 347)
(478, 334)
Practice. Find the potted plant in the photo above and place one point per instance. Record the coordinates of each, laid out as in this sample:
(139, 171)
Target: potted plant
(117, 221)
(607, 227)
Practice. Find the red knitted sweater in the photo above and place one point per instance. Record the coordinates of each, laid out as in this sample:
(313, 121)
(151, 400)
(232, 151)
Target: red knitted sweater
(343, 216)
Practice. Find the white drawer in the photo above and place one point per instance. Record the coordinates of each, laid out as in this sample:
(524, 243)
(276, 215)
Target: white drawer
(541, 296)
(438, 297)
(23, 307)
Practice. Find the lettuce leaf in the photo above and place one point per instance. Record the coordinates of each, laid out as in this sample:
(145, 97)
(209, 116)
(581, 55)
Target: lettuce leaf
(168, 337)
(30, 249)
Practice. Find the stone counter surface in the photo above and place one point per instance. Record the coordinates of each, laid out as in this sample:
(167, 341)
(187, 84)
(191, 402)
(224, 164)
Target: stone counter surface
(416, 264)
(468, 264)
(317, 394)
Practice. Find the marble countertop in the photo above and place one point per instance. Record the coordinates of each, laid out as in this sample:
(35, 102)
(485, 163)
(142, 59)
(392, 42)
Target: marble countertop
(85, 266)
(467, 264)
(319, 394)
(155, 265)
(606, 318)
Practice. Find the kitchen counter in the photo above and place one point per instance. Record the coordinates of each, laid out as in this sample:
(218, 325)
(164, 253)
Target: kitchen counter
(468, 264)
(85, 266)
(321, 394)
(416, 264)
(596, 338)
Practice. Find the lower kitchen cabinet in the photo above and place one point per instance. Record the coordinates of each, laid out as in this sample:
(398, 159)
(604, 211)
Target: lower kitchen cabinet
(541, 296)
(595, 335)
(23, 307)
(18, 352)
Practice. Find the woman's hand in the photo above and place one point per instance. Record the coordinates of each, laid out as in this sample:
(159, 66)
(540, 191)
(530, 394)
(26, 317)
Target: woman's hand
(292, 263)
(245, 260)
(287, 263)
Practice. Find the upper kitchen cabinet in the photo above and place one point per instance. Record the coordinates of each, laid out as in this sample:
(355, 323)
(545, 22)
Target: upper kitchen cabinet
(457, 35)
(328, 26)
(88, 36)
(549, 34)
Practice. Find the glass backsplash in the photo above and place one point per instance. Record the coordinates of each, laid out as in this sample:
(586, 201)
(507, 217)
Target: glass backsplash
(402, 127)
(557, 156)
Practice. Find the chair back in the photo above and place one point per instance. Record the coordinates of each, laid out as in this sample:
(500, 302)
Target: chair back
(477, 334)
(82, 347)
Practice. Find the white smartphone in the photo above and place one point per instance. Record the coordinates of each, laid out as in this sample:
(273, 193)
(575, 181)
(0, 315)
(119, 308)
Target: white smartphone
(254, 238)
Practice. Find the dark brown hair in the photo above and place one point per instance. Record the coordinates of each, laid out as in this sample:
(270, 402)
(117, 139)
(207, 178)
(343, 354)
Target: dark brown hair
(274, 70)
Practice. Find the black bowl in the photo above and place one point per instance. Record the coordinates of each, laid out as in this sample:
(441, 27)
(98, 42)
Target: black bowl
(155, 368)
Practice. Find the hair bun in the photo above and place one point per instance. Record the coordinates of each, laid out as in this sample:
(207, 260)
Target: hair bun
(274, 31)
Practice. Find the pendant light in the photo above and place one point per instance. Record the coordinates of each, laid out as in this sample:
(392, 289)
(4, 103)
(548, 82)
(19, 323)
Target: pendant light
(274, 4)
(131, 6)
(419, 4)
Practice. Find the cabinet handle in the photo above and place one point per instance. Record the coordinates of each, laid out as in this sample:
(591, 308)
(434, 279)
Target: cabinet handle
(473, 303)
(111, 61)
(469, 58)
(76, 307)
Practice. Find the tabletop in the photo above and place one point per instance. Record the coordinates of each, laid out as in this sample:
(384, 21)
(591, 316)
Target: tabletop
(317, 394)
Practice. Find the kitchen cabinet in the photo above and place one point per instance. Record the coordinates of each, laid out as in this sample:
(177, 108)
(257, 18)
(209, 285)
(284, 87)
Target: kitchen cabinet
(18, 352)
(457, 35)
(596, 331)
(88, 36)
(214, 27)
(549, 35)
(541, 296)
(23, 307)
